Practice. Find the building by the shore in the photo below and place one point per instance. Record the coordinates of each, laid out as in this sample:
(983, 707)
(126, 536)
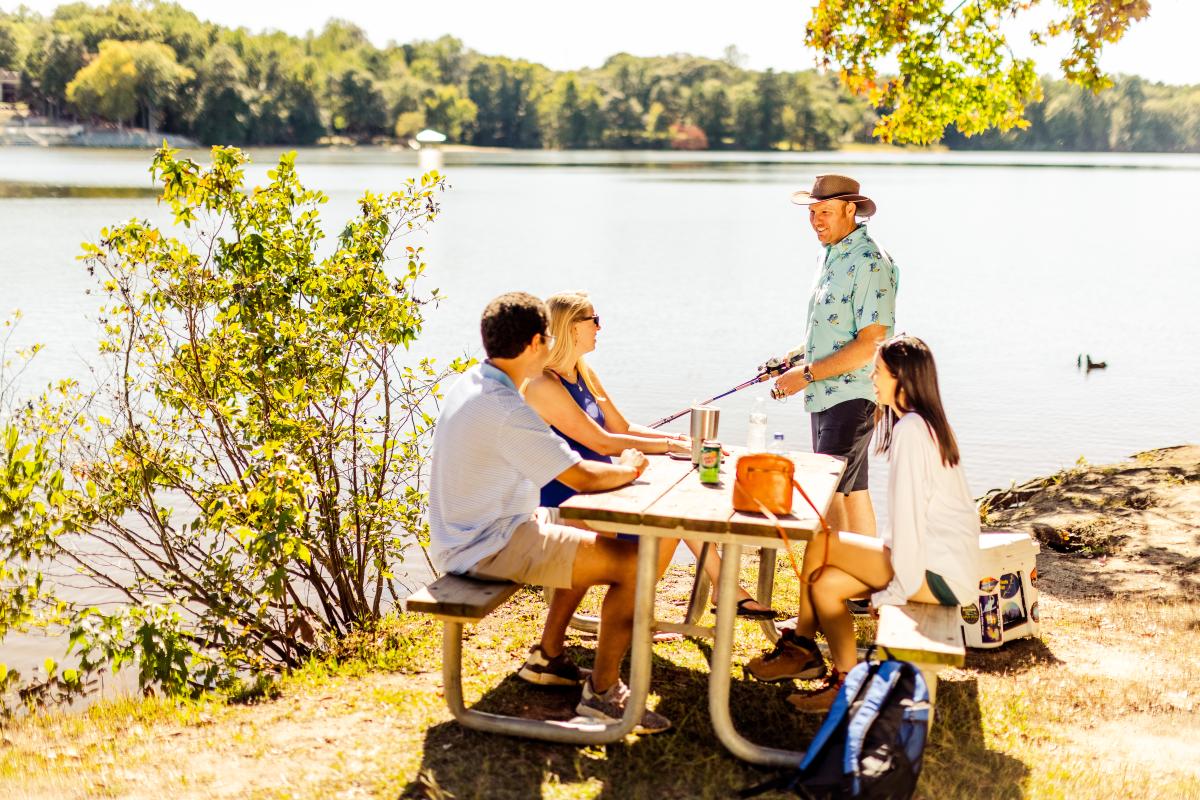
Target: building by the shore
(10, 87)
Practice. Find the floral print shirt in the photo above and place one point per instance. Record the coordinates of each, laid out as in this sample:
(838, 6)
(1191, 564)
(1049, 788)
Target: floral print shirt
(856, 287)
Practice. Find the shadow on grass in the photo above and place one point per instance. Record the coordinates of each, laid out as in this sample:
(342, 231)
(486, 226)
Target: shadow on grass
(688, 761)
(1015, 656)
(958, 763)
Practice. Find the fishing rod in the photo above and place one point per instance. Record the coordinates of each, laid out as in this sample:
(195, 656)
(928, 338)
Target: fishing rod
(772, 369)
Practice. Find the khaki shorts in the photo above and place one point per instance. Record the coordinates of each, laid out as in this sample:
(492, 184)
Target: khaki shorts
(539, 553)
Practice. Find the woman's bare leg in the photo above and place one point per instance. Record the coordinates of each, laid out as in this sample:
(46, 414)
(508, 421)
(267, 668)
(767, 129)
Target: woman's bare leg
(712, 566)
(861, 557)
(830, 591)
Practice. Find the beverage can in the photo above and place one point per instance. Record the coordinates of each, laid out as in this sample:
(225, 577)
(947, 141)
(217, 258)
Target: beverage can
(710, 461)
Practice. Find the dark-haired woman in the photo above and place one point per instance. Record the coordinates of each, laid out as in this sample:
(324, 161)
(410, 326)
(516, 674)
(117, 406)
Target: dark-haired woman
(929, 552)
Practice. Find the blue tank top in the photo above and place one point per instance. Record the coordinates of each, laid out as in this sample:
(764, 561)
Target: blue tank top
(555, 492)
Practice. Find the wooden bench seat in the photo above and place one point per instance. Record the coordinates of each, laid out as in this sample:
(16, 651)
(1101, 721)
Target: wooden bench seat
(926, 635)
(461, 599)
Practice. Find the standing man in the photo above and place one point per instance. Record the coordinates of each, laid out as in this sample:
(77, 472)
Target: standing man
(852, 310)
(491, 455)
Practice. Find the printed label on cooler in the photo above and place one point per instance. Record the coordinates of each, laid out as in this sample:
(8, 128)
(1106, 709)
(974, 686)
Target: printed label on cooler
(989, 612)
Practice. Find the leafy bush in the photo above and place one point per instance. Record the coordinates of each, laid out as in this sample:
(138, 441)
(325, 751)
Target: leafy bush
(250, 473)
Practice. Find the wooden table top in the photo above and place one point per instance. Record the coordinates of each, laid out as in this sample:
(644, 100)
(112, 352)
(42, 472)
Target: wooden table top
(670, 495)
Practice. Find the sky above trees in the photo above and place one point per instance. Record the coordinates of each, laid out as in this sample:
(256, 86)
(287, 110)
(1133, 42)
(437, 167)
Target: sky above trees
(768, 32)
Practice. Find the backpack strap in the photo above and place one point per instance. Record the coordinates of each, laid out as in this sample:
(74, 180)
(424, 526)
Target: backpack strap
(882, 683)
(855, 680)
(917, 717)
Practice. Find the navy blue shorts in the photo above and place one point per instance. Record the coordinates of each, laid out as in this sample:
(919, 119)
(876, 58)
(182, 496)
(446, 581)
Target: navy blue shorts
(845, 430)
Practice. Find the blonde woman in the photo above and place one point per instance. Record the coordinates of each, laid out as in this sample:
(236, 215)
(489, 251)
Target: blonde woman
(571, 399)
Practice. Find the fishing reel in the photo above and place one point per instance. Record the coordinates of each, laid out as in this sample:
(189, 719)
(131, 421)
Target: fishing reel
(774, 367)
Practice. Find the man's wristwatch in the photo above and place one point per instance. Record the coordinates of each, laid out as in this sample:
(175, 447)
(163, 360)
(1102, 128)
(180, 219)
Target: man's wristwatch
(808, 376)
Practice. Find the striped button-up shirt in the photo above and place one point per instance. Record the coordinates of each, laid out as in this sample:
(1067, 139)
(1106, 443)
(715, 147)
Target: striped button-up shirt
(491, 455)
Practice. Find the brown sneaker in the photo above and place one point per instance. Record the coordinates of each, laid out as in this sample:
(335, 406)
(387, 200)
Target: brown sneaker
(819, 700)
(794, 658)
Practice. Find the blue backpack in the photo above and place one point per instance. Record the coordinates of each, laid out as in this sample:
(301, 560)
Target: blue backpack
(871, 744)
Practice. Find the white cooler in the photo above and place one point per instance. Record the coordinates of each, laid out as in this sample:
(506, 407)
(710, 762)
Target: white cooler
(1007, 605)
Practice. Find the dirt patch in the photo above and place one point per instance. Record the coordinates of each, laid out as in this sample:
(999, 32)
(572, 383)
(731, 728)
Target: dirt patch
(1121, 530)
(1165, 743)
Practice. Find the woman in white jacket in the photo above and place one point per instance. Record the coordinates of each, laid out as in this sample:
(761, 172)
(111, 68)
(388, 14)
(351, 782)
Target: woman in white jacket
(929, 552)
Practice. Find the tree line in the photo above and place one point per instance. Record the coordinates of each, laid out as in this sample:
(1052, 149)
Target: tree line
(159, 66)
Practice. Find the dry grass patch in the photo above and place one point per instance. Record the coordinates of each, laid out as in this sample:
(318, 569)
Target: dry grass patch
(1033, 719)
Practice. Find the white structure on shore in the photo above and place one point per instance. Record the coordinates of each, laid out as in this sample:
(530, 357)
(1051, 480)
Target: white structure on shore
(429, 155)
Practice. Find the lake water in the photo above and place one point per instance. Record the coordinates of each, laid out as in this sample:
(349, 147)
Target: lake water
(1011, 265)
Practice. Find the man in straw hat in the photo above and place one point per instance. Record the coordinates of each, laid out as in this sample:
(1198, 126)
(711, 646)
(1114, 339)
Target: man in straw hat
(852, 310)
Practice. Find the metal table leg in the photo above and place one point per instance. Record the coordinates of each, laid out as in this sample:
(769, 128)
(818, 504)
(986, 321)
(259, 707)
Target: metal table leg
(700, 587)
(577, 731)
(718, 681)
(643, 623)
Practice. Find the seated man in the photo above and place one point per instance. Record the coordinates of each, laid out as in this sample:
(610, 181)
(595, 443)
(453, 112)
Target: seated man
(491, 454)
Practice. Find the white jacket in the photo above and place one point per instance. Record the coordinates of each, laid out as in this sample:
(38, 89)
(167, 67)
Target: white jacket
(934, 524)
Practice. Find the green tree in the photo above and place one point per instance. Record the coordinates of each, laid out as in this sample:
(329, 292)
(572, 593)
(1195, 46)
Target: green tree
(8, 45)
(1130, 118)
(769, 91)
(758, 114)
(955, 63)
(117, 21)
(296, 92)
(281, 91)
(126, 77)
(443, 60)
(446, 110)
(573, 108)
(222, 113)
(159, 78)
(711, 109)
(108, 86)
(358, 106)
(624, 122)
(506, 95)
(51, 65)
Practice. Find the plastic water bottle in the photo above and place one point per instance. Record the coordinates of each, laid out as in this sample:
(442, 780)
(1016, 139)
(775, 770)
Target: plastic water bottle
(777, 444)
(756, 435)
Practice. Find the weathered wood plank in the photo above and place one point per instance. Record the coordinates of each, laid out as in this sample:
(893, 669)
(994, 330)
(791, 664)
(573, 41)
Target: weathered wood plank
(670, 495)
(461, 597)
(922, 633)
(693, 505)
(625, 505)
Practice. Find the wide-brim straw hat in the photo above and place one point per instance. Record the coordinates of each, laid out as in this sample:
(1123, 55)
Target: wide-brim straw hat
(836, 187)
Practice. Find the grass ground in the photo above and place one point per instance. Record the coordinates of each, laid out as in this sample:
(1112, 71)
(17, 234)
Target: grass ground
(1103, 705)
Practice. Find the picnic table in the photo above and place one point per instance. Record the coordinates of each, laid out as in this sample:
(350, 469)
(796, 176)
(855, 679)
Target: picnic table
(668, 501)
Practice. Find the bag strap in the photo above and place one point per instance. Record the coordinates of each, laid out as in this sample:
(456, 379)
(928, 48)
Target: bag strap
(783, 535)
